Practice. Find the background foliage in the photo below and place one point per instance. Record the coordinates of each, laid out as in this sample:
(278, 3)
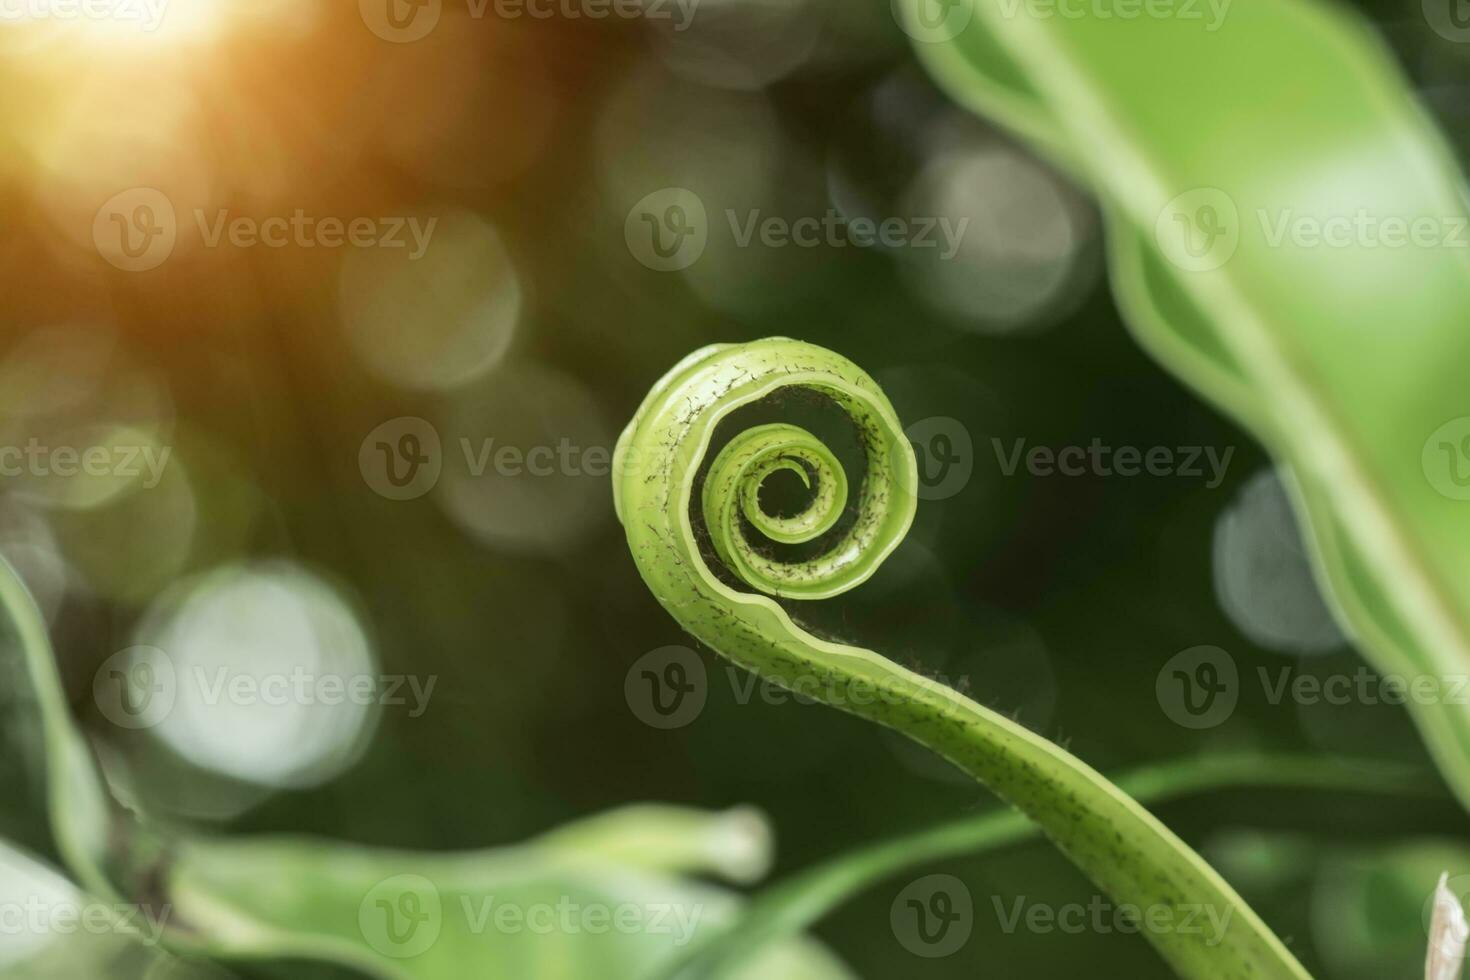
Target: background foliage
(1056, 598)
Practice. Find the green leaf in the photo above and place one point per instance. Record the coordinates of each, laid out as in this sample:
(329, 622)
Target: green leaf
(54, 931)
(78, 802)
(595, 899)
(1345, 355)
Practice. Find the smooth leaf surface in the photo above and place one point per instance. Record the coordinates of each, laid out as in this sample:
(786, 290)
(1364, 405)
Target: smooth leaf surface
(1288, 236)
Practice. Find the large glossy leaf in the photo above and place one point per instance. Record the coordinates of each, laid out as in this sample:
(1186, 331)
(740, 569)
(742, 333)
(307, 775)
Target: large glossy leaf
(1288, 236)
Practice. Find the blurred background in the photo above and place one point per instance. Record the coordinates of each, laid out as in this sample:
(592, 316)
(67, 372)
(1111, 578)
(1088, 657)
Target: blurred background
(321, 321)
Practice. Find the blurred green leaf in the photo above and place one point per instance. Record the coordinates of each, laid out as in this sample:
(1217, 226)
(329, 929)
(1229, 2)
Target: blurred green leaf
(594, 899)
(54, 931)
(1215, 146)
(78, 802)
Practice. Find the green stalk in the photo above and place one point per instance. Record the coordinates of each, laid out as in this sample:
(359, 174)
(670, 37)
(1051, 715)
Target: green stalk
(798, 903)
(658, 466)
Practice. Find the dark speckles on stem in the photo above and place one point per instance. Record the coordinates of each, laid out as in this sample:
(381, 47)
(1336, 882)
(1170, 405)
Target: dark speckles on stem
(1109, 837)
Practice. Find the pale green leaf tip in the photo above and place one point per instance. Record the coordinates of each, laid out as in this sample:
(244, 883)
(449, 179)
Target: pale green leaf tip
(1448, 932)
